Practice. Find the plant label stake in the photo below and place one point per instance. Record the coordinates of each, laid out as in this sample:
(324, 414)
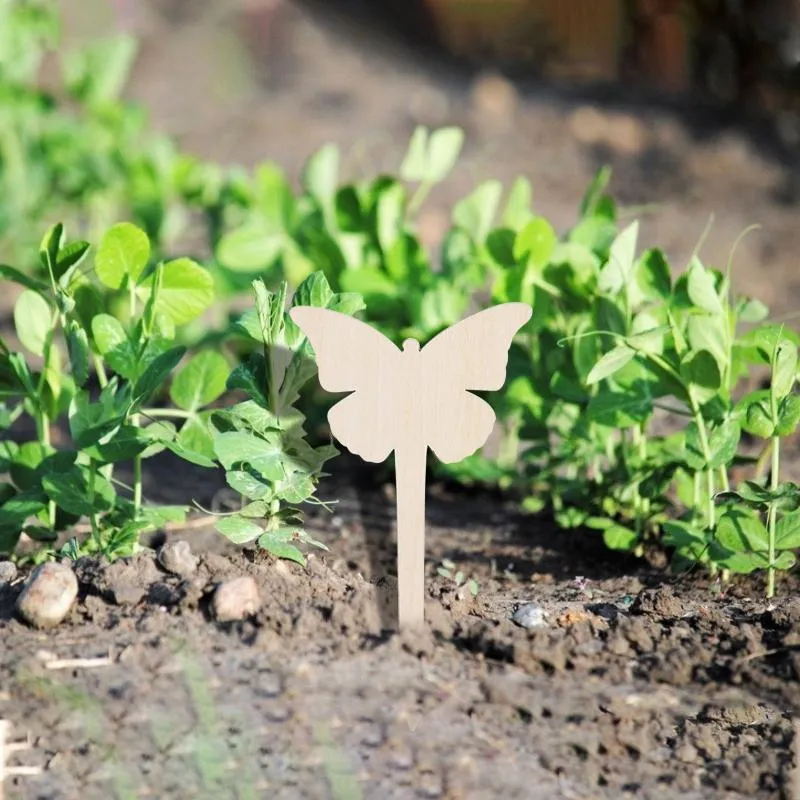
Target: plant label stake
(408, 400)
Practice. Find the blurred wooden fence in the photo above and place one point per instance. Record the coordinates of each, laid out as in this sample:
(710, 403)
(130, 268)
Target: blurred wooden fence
(669, 45)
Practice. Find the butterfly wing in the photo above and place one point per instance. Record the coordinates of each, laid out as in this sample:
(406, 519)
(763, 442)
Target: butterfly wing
(353, 357)
(350, 417)
(350, 353)
(459, 425)
(473, 354)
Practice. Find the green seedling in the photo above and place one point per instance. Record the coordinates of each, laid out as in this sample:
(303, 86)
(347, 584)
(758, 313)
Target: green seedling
(261, 442)
(99, 378)
(750, 541)
(448, 570)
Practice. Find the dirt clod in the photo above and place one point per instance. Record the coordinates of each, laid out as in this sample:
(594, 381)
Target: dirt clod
(48, 596)
(236, 599)
(8, 571)
(177, 558)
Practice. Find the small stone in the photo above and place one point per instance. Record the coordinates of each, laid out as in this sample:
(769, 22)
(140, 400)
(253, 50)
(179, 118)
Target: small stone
(48, 596)
(494, 100)
(8, 571)
(236, 599)
(177, 558)
(530, 616)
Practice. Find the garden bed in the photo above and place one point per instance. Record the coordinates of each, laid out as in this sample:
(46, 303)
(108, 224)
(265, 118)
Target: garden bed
(635, 680)
(639, 683)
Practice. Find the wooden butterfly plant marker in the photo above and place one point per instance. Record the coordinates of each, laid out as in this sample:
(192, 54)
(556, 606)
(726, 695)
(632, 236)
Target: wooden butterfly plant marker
(408, 400)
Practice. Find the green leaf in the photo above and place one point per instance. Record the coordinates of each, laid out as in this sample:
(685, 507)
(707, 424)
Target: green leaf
(254, 247)
(616, 272)
(32, 321)
(700, 369)
(444, 147)
(701, 289)
(414, 167)
(610, 363)
(788, 415)
(186, 291)
(127, 442)
(476, 212)
(784, 561)
(391, 218)
(15, 511)
(740, 531)
(50, 245)
(251, 378)
(277, 543)
(200, 382)
(751, 311)
(123, 253)
(11, 274)
(595, 193)
(238, 530)
(314, 291)
(69, 257)
(535, 244)
(620, 409)
(617, 537)
(248, 484)
(653, 275)
(787, 531)
(758, 420)
(156, 373)
(784, 373)
(71, 491)
(114, 345)
(321, 174)
(706, 332)
(195, 437)
(264, 456)
(518, 208)
(430, 158)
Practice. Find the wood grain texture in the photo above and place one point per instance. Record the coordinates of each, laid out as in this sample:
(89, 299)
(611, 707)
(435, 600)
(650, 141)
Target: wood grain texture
(408, 400)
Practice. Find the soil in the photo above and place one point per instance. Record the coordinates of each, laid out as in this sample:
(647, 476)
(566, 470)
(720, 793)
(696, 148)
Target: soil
(640, 683)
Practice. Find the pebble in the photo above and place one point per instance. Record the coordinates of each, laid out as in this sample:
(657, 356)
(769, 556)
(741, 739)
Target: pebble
(494, 99)
(48, 596)
(236, 599)
(8, 571)
(177, 558)
(530, 616)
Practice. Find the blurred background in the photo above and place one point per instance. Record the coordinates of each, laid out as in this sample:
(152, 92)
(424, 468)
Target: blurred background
(694, 103)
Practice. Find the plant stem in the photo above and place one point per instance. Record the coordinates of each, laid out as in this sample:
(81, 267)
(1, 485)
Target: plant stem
(174, 413)
(772, 515)
(137, 474)
(93, 513)
(423, 190)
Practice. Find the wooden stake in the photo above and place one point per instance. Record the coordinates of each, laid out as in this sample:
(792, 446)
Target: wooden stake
(408, 400)
(410, 467)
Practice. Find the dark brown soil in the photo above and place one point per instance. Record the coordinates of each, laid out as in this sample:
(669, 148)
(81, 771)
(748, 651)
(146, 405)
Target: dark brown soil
(641, 684)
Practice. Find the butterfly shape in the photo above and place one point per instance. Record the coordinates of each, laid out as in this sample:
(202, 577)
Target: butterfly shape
(412, 397)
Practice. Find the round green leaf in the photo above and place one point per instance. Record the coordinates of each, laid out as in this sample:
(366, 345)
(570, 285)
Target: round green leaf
(123, 252)
(201, 381)
(535, 243)
(610, 363)
(186, 290)
(787, 532)
(32, 321)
